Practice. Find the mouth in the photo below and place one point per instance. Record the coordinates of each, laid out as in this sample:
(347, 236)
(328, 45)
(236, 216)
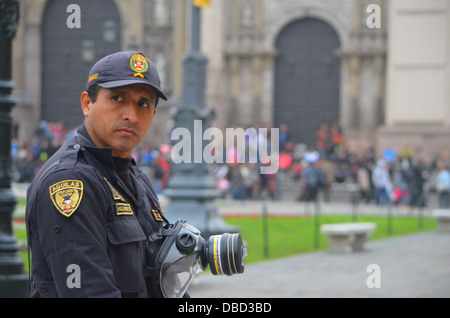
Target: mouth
(127, 132)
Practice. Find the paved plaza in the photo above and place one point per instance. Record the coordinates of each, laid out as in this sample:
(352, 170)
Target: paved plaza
(411, 266)
(415, 265)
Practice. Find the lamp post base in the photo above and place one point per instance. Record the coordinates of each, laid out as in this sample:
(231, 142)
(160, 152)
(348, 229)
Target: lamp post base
(13, 280)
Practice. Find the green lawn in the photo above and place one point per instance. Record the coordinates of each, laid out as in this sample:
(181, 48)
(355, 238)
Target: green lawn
(277, 237)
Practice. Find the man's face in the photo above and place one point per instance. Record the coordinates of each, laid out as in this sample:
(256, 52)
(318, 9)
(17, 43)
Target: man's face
(120, 117)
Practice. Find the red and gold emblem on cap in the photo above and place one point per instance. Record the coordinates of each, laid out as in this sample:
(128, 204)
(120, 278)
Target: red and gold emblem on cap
(138, 64)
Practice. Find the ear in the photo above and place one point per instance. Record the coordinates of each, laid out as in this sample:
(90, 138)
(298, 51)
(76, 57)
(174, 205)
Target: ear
(86, 104)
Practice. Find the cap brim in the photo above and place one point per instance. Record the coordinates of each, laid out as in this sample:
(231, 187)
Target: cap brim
(113, 84)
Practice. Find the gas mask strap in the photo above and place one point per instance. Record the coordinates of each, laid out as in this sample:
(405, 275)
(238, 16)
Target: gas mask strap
(160, 213)
(144, 212)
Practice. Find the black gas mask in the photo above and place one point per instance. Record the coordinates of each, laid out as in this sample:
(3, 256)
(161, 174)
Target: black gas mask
(177, 252)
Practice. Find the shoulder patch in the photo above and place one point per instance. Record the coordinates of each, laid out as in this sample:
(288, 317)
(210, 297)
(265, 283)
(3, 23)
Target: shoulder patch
(66, 196)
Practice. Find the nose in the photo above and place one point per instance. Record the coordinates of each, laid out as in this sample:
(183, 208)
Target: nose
(130, 113)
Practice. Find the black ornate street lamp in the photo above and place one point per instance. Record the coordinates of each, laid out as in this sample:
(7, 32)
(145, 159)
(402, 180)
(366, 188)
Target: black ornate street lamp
(13, 280)
(191, 189)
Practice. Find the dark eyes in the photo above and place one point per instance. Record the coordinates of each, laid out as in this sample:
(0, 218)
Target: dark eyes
(118, 98)
(142, 103)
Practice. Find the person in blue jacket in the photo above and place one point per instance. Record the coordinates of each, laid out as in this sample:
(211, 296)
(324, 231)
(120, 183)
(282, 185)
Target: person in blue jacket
(90, 209)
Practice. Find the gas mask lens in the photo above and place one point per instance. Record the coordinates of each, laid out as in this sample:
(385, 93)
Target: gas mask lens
(178, 276)
(179, 252)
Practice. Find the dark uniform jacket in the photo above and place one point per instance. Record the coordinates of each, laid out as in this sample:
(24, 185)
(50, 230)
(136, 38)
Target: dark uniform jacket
(87, 235)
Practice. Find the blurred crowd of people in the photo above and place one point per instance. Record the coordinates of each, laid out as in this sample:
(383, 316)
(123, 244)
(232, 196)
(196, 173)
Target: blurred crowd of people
(402, 180)
(399, 180)
(30, 156)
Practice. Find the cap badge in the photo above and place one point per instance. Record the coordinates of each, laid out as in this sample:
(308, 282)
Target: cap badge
(138, 64)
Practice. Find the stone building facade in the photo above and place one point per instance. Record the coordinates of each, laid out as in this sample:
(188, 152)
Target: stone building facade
(418, 79)
(295, 62)
(301, 63)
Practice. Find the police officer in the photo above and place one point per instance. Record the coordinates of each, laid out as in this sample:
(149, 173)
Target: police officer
(90, 209)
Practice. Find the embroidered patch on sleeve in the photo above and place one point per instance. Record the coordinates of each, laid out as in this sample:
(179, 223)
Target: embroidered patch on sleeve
(158, 215)
(66, 196)
(123, 209)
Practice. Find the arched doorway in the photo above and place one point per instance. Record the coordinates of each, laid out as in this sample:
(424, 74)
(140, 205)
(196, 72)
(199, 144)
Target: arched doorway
(306, 78)
(69, 53)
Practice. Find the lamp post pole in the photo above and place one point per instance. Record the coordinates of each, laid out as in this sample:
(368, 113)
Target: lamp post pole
(191, 189)
(13, 280)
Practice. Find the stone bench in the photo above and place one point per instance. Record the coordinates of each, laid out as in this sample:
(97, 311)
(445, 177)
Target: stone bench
(346, 237)
(442, 217)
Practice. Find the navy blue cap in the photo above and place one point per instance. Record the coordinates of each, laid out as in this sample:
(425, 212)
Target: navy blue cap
(125, 68)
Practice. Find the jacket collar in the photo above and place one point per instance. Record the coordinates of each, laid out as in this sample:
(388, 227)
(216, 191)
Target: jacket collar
(104, 154)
